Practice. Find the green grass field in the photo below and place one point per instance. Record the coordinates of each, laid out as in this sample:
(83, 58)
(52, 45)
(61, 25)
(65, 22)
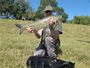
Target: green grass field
(15, 49)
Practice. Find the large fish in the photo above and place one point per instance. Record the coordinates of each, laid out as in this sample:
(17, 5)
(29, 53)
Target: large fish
(39, 24)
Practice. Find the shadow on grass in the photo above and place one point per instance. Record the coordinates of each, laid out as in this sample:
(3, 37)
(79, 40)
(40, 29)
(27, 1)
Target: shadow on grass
(84, 41)
(59, 51)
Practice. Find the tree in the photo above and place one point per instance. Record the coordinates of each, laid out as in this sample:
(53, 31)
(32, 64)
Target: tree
(6, 7)
(39, 13)
(77, 19)
(53, 3)
(31, 13)
(44, 3)
(20, 9)
(14, 8)
(64, 16)
(59, 11)
(82, 20)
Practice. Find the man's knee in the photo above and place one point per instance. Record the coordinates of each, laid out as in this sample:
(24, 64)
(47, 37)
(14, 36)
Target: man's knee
(49, 39)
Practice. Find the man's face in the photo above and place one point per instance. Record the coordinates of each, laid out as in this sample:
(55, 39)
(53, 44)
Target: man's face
(49, 13)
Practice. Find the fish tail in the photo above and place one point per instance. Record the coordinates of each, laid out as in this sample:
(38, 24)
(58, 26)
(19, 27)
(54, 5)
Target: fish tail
(21, 28)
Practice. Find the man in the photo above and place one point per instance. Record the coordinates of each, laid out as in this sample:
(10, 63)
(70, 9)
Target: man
(50, 41)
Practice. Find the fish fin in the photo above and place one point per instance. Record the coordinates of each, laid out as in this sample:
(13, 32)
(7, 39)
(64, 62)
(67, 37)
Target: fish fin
(21, 28)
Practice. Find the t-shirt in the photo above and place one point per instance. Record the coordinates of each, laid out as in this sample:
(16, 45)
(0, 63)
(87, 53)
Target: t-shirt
(46, 31)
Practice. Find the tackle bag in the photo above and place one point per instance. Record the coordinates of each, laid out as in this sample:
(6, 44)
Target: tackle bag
(47, 62)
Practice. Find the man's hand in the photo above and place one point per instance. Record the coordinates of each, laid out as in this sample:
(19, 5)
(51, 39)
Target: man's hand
(54, 33)
(29, 29)
(52, 22)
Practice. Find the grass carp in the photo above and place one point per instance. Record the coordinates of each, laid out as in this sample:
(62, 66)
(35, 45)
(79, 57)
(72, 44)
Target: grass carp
(39, 24)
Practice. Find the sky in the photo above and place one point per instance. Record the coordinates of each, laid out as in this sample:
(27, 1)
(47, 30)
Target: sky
(71, 7)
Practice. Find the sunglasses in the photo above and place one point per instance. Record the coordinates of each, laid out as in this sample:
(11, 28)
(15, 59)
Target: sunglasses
(48, 11)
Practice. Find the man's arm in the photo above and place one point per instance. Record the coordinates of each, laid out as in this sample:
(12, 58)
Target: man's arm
(54, 33)
(37, 34)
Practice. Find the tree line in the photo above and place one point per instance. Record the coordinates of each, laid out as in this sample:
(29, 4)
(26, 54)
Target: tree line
(16, 9)
(85, 20)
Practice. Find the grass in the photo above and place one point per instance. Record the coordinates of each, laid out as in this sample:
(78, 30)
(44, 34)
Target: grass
(15, 49)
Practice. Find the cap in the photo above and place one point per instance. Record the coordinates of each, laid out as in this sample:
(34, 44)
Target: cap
(48, 8)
